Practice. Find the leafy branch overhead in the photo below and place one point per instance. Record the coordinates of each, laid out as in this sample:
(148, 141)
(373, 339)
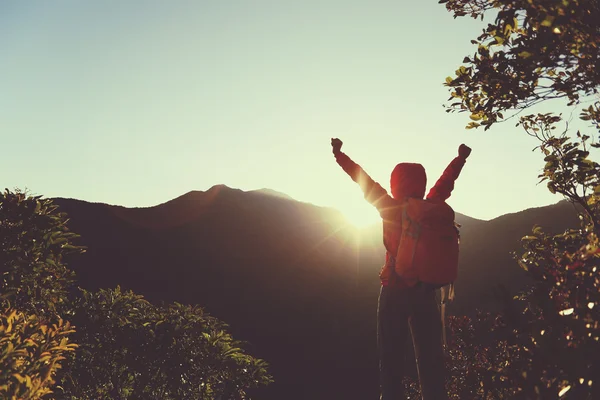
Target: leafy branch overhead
(532, 51)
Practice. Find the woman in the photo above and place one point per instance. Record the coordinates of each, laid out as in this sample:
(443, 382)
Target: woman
(403, 304)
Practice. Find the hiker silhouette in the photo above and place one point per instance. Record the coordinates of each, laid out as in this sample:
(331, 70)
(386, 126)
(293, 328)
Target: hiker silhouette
(421, 244)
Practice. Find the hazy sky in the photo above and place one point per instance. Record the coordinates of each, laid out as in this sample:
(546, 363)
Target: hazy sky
(137, 102)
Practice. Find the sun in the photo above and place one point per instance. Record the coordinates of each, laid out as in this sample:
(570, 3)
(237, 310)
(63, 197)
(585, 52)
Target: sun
(361, 215)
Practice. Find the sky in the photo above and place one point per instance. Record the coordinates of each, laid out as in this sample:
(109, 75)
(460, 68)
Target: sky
(134, 103)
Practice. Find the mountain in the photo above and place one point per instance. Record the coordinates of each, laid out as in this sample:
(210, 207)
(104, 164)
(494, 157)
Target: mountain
(293, 279)
(271, 192)
(274, 269)
(485, 260)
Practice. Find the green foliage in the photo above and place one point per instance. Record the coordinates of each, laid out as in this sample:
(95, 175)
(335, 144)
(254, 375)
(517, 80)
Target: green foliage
(533, 51)
(131, 349)
(30, 354)
(558, 331)
(127, 348)
(552, 331)
(34, 240)
(33, 293)
(560, 319)
(546, 343)
(568, 169)
(477, 351)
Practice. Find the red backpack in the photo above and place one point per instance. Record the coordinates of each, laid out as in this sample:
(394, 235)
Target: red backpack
(428, 247)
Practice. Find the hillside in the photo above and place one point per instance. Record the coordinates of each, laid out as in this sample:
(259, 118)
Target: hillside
(295, 280)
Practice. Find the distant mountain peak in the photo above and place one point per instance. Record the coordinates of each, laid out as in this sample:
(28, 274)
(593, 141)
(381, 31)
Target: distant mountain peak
(274, 193)
(201, 196)
(219, 187)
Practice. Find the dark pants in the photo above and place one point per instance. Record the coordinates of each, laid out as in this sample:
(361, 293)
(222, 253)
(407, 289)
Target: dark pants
(399, 310)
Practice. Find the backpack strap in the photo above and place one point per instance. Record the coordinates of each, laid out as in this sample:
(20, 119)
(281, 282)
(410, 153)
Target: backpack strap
(405, 219)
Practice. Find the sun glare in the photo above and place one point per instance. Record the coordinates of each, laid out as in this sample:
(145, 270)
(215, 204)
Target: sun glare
(362, 217)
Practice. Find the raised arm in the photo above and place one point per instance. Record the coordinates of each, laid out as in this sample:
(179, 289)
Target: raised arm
(444, 186)
(374, 193)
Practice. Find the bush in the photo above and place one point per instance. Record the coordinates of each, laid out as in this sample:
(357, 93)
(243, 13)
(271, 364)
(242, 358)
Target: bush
(34, 240)
(34, 339)
(30, 354)
(131, 349)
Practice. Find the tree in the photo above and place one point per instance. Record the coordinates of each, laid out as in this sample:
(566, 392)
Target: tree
(558, 333)
(551, 333)
(34, 240)
(34, 339)
(533, 52)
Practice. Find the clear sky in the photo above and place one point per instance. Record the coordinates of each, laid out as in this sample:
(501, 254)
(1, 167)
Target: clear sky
(137, 102)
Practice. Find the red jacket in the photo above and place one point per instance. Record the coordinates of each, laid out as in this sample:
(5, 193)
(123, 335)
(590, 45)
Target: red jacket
(407, 180)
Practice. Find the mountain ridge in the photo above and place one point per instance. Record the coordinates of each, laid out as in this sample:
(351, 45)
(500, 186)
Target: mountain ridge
(295, 280)
(218, 188)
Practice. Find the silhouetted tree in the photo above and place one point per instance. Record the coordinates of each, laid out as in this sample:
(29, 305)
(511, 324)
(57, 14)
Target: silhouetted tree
(532, 52)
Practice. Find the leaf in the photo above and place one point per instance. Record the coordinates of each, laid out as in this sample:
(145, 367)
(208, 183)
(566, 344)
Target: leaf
(529, 238)
(19, 377)
(525, 54)
(547, 22)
